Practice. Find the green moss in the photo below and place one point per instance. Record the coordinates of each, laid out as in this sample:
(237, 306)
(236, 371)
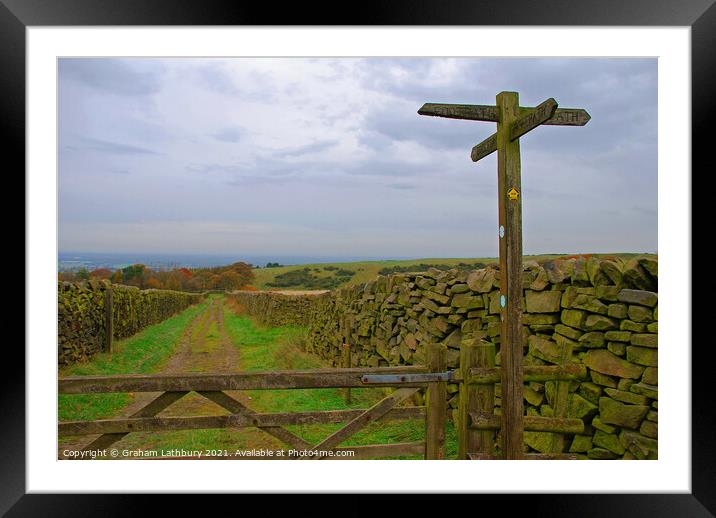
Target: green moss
(141, 354)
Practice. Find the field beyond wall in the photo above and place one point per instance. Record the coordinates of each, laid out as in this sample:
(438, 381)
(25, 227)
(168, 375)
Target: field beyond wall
(365, 271)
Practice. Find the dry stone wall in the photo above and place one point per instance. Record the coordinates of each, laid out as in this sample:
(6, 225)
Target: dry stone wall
(606, 311)
(279, 309)
(81, 318)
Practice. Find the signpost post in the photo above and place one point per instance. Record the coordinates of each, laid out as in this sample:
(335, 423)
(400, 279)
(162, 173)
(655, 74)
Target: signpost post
(513, 122)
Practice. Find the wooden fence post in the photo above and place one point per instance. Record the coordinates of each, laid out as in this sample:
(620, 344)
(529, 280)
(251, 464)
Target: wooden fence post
(485, 396)
(108, 319)
(347, 364)
(561, 399)
(436, 411)
(467, 402)
(475, 399)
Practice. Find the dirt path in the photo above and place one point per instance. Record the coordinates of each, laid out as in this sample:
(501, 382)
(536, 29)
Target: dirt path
(205, 346)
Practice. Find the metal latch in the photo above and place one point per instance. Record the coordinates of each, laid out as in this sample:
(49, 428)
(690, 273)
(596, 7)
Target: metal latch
(408, 378)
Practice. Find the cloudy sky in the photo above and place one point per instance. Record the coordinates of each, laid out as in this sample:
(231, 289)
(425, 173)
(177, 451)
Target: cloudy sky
(328, 158)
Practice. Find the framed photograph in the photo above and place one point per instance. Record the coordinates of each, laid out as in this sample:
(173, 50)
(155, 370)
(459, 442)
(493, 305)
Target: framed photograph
(444, 228)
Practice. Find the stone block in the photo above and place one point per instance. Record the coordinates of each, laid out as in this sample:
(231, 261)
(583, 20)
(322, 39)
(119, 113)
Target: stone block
(456, 289)
(590, 391)
(618, 348)
(641, 297)
(608, 293)
(606, 428)
(609, 442)
(581, 444)
(645, 340)
(621, 414)
(542, 301)
(593, 339)
(567, 331)
(651, 376)
(650, 391)
(628, 325)
(618, 336)
(599, 323)
(544, 349)
(539, 319)
(649, 429)
(467, 301)
(640, 446)
(437, 297)
(482, 281)
(579, 407)
(643, 356)
(540, 441)
(617, 311)
(640, 314)
(627, 397)
(574, 318)
(607, 363)
(603, 379)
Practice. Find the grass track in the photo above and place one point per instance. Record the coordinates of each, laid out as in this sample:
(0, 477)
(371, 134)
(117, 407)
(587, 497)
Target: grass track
(209, 326)
(277, 349)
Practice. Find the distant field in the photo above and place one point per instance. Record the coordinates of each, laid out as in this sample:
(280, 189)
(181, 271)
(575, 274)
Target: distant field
(337, 275)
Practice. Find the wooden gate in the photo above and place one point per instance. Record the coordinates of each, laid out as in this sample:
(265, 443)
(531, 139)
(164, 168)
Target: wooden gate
(407, 380)
(478, 422)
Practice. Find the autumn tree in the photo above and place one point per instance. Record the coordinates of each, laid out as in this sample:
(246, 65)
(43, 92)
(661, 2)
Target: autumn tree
(100, 273)
(229, 280)
(244, 271)
(152, 283)
(174, 280)
(134, 275)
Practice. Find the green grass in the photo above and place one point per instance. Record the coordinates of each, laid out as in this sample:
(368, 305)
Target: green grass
(278, 348)
(142, 353)
(260, 349)
(368, 270)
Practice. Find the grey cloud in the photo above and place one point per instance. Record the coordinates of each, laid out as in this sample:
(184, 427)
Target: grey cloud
(217, 79)
(232, 135)
(112, 147)
(264, 170)
(215, 168)
(115, 76)
(388, 167)
(402, 186)
(402, 123)
(315, 147)
(629, 116)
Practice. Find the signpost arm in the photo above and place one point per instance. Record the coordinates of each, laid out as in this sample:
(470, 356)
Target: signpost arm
(510, 219)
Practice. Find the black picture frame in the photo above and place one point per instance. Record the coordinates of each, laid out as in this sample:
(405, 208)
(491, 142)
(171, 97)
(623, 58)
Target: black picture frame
(700, 15)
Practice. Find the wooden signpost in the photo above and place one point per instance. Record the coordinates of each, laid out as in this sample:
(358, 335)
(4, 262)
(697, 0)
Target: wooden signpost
(513, 121)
